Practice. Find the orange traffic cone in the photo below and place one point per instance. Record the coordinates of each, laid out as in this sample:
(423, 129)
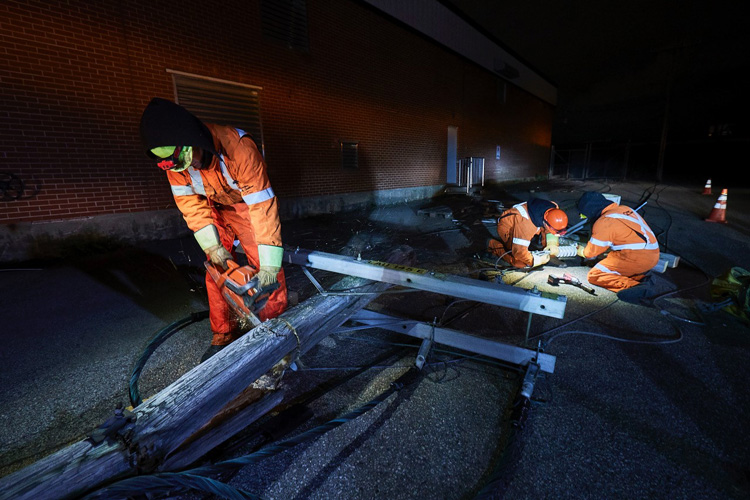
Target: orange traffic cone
(719, 212)
(707, 187)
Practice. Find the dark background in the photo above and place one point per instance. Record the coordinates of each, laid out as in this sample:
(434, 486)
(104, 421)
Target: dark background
(621, 68)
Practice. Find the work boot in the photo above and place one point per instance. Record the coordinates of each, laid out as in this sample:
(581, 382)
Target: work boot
(633, 295)
(212, 349)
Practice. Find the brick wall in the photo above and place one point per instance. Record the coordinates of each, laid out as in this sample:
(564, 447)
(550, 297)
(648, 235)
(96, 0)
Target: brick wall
(76, 75)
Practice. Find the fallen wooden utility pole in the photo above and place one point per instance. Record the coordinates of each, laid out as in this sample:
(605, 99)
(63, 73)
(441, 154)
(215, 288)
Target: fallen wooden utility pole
(172, 417)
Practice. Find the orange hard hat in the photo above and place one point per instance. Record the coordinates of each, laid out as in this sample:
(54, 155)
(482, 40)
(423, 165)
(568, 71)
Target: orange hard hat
(556, 219)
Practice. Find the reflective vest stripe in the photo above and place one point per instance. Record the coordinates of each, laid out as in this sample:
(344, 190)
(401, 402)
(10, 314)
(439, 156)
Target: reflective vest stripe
(197, 181)
(636, 246)
(258, 196)
(652, 244)
(520, 241)
(522, 210)
(600, 242)
(602, 268)
(182, 190)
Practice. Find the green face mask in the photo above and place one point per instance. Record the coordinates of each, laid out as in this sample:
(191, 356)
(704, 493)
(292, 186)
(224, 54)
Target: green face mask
(174, 159)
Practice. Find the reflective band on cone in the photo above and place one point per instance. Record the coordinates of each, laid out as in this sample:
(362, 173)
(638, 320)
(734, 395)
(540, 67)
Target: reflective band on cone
(719, 212)
(707, 187)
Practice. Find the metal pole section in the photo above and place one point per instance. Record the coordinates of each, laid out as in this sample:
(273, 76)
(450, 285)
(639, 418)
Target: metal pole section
(453, 338)
(528, 328)
(547, 304)
(422, 354)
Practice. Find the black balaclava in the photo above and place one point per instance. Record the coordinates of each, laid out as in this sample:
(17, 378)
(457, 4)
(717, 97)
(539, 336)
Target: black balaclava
(592, 203)
(537, 208)
(165, 123)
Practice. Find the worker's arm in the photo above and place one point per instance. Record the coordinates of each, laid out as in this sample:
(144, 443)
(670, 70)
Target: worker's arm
(520, 241)
(600, 241)
(263, 209)
(197, 214)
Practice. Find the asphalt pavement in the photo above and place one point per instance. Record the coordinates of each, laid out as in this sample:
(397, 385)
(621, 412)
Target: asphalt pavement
(646, 400)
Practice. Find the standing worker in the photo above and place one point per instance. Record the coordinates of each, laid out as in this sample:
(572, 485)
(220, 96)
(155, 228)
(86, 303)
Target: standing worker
(634, 248)
(518, 226)
(220, 184)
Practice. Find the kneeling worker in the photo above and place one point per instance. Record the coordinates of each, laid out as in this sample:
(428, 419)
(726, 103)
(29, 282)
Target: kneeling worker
(634, 249)
(518, 226)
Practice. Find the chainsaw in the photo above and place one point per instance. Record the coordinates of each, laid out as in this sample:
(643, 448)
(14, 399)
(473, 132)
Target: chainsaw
(569, 279)
(240, 288)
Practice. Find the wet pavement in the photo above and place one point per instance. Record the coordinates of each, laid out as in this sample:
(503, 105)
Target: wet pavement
(662, 415)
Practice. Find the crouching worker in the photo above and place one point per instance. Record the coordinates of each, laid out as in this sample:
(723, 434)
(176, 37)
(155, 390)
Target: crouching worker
(633, 247)
(220, 184)
(520, 224)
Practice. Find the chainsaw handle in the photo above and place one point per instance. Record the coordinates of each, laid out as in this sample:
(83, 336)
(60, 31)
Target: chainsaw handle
(261, 295)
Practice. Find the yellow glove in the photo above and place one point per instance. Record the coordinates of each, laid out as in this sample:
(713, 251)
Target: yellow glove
(268, 275)
(218, 255)
(579, 250)
(553, 244)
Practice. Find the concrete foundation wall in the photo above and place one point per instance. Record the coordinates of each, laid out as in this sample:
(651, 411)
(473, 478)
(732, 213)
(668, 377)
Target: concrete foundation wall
(25, 241)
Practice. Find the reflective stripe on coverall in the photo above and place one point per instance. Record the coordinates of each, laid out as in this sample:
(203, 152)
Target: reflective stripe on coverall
(235, 195)
(515, 230)
(634, 249)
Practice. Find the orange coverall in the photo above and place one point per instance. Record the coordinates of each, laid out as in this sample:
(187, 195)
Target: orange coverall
(235, 195)
(515, 230)
(634, 249)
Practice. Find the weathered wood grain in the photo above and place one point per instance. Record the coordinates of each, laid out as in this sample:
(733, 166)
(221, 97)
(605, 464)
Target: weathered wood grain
(182, 409)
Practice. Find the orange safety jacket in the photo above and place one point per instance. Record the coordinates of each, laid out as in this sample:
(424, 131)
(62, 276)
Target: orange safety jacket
(237, 175)
(516, 230)
(634, 247)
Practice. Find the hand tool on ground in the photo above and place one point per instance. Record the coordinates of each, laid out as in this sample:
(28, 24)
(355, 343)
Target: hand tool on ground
(569, 279)
(240, 288)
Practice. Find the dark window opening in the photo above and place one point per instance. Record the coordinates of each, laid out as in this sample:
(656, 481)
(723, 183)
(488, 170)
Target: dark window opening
(350, 155)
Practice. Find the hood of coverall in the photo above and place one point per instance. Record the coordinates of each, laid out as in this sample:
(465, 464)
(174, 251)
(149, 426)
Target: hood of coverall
(165, 123)
(537, 208)
(592, 203)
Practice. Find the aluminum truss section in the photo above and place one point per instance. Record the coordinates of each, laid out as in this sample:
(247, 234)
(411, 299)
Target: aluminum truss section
(531, 301)
(453, 338)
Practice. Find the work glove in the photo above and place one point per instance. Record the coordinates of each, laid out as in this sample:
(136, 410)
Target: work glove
(553, 244)
(218, 255)
(540, 258)
(208, 238)
(579, 250)
(267, 275)
(270, 264)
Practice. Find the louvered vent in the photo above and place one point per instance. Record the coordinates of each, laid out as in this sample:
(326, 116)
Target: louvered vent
(223, 103)
(285, 21)
(350, 155)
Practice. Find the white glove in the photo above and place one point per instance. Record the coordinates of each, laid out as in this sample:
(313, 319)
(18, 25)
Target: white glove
(540, 258)
(218, 255)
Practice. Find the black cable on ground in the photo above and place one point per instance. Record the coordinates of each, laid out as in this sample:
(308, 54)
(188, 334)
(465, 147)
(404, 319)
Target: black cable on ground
(510, 457)
(158, 339)
(194, 479)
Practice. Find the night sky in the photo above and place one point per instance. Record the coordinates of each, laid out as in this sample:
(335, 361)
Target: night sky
(620, 66)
